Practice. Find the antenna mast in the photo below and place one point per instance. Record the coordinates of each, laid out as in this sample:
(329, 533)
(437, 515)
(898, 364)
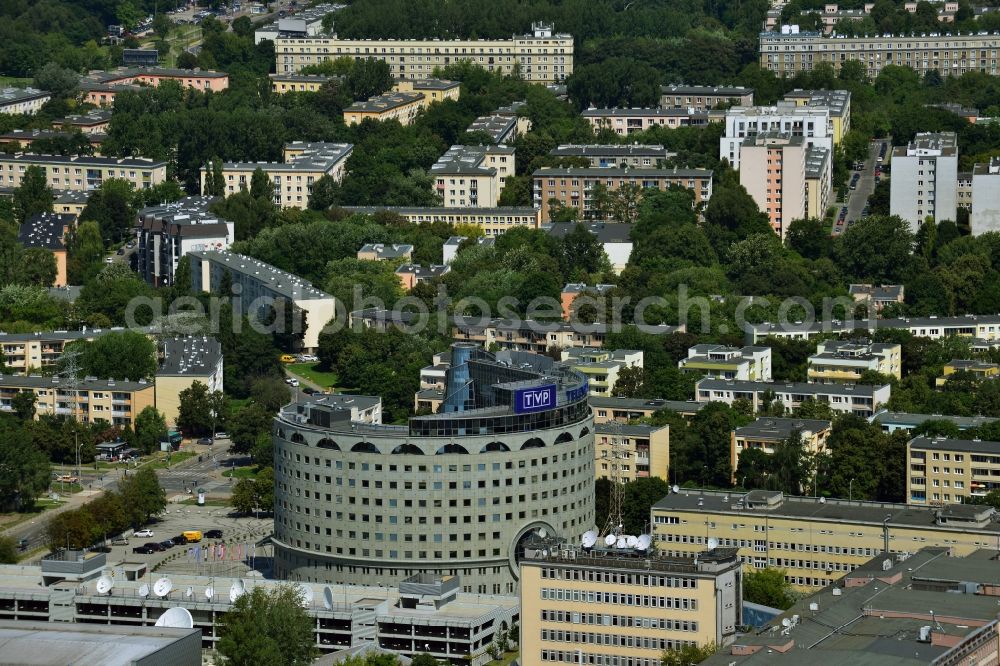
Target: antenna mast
(619, 453)
(71, 381)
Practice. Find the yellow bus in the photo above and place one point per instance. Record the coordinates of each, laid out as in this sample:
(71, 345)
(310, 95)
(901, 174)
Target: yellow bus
(193, 536)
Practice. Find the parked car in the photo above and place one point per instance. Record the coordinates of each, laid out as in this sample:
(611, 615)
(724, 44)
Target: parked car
(22, 544)
(308, 390)
(109, 260)
(168, 543)
(120, 541)
(121, 250)
(145, 533)
(180, 540)
(103, 548)
(213, 534)
(207, 441)
(143, 550)
(222, 435)
(291, 381)
(155, 545)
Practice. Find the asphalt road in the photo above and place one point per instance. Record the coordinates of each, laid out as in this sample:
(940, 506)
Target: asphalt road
(858, 198)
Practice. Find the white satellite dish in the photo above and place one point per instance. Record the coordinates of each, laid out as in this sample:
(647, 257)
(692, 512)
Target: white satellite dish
(162, 587)
(610, 540)
(236, 591)
(713, 543)
(631, 541)
(189, 592)
(144, 590)
(328, 598)
(176, 617)
(589, 539)
(306, 595)
(644, 542)
(542, 533)
(209, 593)
(622, 542)
(104, 584)
(675, 489)
(786, 622)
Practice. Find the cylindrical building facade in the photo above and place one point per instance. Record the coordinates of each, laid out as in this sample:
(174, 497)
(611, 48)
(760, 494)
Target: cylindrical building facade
(452, 493)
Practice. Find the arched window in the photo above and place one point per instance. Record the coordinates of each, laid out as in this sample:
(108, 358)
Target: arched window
(327, 443)
(408, 449)
(565, 437)
(584, 432)
(365, 447)
(451, 448)
(298, 438)
(493, 447)
(533, 443)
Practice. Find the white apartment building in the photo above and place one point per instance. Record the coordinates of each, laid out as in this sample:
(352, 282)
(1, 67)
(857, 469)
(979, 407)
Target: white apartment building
(985, 215)
(924, 179)
(711, 360)
(812, 123)
(472, 176)
(844, 361)
(858, 399)
(23, 100)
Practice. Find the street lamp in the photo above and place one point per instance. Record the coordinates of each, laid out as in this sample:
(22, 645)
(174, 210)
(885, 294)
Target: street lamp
(850, 490)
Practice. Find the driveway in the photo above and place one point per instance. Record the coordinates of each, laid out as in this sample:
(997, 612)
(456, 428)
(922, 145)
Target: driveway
(857, 198)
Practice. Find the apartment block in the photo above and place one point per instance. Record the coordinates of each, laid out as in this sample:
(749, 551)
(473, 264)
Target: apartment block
(767, 433)
(305, 23)
(95, 121)
(704, 98)
(614, 237)
(943, 471)
(575, 290)
(410, 275)
(503, 125)
(790, 51)
(638, 450)
(819, 182)
(892, 421)
(263, 287)
(637, 156)
(286, 83)
(433, 90)
(28, 101)
(385, 252)
(23, 140)
(184, 361)
(978, 370)
(48, 231)
(601, 367)
(450, 248)
(100, 88)
(982, 328)
(633, 409)
(70, 201)
(26, 352)
(81, 172)
(877, 297)
(837, 102)
(751, 364)
(629, 121)
(858, 399)
(167, 232)
(985, 213)
(604, 606)
(494, 221)
(844, 361)
(963, 190)
(540, 57)
(472, 176)
(574, 187)
(537, 336)
(773, 172)
(402, 107)
(88, 399)
(304, 163)
(817, 541)
(811, 123)
(924, 179)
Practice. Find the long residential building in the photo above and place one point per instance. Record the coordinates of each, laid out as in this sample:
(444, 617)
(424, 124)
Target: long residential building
(791, 51)
(493, 221)
(87, 399)
(25, 352)
(28, 101)
(574, 187)
(538, 336)
(400, 106)
(540, 57)
(893, 421)
(817, 541)
(705, 98)
(472, 176)
(169, 231)
(262, 287)
(100, 88)
(940, 470)
(286, 83)
(974, 327)
(858, 399)
(637, 156)
(629, 121)
(82, 172)
(632, 409)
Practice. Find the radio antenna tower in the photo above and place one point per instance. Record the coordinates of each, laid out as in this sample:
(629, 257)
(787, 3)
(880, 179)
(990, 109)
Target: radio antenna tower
(615, 523)
(71, 381)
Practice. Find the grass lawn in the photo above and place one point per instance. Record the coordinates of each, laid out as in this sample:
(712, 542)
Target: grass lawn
(309, 371)
(14, 81)
(507, 658)
(8, 520)
(242, 472)
(174, 459)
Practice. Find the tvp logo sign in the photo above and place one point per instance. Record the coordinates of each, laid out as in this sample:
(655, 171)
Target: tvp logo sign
(534, 399)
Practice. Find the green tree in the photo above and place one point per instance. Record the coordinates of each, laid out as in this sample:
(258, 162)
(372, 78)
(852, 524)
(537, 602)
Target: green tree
(85, 251)
(369, 77)
(23, 404)
(267, 626)
(150, 429)
(244, 496)
(876, 249)
(24, 473)
(142, 496)
(271, 393)
(325, 193)
(247, 425)
(62, 82)
(261, 185)
(688, 655)
(116, 355)
(38, 266)
(809, 237)
(113, 207)
(200, 410)
(769, 588)
(33, 195)
(162, 25)
(8, 550)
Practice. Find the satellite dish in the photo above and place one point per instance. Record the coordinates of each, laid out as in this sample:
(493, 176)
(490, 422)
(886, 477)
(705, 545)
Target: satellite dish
(589, 539)
(328, 598)
(631, 541)
(610, 540)
(622, 542)
(644, 542)
(104, 584)
(236, 591)
(162, 587)
(144, 590)
(209, 593)
(306, 595)
(713, 543)
(786, 622)
(176, 617)
(676, 489)
(189, 592)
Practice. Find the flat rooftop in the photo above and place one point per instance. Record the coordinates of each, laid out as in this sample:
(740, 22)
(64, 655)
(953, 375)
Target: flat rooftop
(52, 644)
(196, 356)
(616, 172)
(775, 429)
(279, 281)
(385, 102)
(962, 445)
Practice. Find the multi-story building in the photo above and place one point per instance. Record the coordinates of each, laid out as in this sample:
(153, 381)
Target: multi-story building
(791, 51)
(892, 421)
(443, 493)
(493, 221)
(100, 88)
(812, 123)
(637, 156)
(263, 288)
(985, 328)
(70, 201)
(433, 90)
(538, 336)
(601, 367)
(858, 399)
(88, 400)
(472, 176)
(773, 171)
(286, 83)
(845, 361)
(704, 98)
(23, 140)
(615, 238)
(450, 248)
(924, 179)
(637, 450)
(963, 190)
(817, 541)
(167, 232)
(978, 370)
(402, 107)
(503, 125)
(837, 102)
(752, 364)
(24, 352)
(819, 182)
(574, 187)
(48, 231)
(305, 23)
(942, 470)
(876, 297)
(28, 101)
(606, 606)
(410, 275)
(767, 433)
(629, 121)
(633, 409)
(82, 172)
(541, 57)
(575, 290)
(385, 252)
(184, 361)
(304, 163)
(95, 121)
(985, 213)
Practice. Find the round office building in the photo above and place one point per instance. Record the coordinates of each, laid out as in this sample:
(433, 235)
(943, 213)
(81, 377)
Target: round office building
(508, 456)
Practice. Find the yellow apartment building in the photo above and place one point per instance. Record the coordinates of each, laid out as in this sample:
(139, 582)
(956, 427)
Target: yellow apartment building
(768, 432)
(472, 176)
(82, 172)
(183, 362)
(632, 409)
(494, 221)
(70, 201)
(942, 470)
(433, 90)
(640, 450)
(980, 370)
(815, 540)
(89, 400)
(837, 101)
(26, 352)
(286, 83)
(607, 606)
(402, 107)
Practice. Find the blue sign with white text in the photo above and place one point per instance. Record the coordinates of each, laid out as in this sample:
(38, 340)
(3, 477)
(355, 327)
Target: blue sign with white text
(534, 399)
